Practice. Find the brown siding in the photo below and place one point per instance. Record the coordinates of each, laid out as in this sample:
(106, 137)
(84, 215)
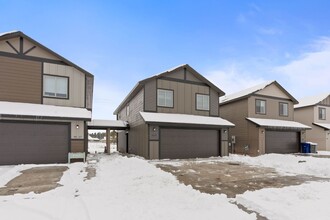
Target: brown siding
(135, 107)
(191, 77)
(178, 74)
(253, 141)
(89, 92)
(184, 97)
(326, 101)
(138, 140)
(236, 112)
(214, 103)
(272, 108)
(122, 146)
(20, 80)
(78, 145)
(150, 96)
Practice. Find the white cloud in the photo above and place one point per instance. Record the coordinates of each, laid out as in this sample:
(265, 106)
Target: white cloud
(270, 31)
(310, 73)
(231, 79)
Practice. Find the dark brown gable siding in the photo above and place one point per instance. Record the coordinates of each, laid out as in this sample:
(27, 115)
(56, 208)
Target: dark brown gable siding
(20, 80)
(326, 101)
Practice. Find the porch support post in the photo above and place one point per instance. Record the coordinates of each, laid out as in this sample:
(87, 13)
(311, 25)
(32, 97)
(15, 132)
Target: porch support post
(107, 139)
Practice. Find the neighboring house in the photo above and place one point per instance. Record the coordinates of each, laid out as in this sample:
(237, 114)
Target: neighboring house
(173, 115)
(45, 101)
(315, 112)
(263, 118)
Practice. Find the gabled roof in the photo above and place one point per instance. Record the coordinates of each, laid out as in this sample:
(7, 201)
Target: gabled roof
(275, 123)
(14, 34)
(326, 126)
(141, 83)
(311, 100)
(252, 90)
(184, 119)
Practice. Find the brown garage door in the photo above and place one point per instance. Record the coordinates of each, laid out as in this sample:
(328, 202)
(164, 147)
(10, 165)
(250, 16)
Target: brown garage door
(188, 143)
(22, 143)
(282, 142)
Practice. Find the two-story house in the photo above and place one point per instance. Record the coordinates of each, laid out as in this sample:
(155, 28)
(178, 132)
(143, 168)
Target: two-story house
(263, 118)
(174, 114)
(315, 112)
(45, 101)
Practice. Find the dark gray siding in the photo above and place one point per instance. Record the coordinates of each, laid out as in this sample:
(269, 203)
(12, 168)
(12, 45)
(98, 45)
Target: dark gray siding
(23, 143)
(20, 80)
(282, 142)
(188, 143)
(214, 103)
(122, 144)
(135, 106)
(138, 140)
(150, 95)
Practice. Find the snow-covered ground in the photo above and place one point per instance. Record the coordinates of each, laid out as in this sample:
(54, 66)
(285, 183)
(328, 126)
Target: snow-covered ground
(98, 147)
(133, 188)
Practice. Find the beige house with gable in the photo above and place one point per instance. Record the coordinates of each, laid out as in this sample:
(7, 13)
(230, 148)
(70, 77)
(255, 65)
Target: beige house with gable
(45, 103)
(315, 112)
(264, 120)
(174, 114)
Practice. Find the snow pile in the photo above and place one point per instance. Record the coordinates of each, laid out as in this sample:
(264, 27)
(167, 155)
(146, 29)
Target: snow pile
(306, 201)
(288, 164)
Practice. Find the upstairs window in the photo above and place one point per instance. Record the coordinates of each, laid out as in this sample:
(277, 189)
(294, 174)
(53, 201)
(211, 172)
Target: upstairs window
(165, 98)
(322, 113)
(284, 109)
(260, 106)
(202, 102)
(56, 86)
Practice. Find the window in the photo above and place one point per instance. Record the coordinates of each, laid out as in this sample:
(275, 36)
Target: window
(260, 106)
(165, 98)
(322, 113)
(202, 102)
(56, 86)
(127, 110)
(284, 109)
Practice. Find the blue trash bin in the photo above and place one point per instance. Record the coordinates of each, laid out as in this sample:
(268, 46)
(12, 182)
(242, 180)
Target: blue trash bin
(305, 148)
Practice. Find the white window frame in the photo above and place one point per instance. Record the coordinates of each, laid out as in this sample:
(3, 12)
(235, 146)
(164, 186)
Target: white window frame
(322, 113)
(55, 82)
(202, 102)
(261, 107)
(287, 109)
(165, 98)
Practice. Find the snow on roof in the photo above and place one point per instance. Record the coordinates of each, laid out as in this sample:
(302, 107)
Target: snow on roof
(245, 92)
(323, 125)
(311, 100)
(184, 119)
(274, 123)
(107, 123)
(9, 32)
(38, 110)
(92, 138)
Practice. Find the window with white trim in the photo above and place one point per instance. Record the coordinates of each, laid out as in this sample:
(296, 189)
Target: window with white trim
(56, 86)
(165, 98)
(260, 106)
(202, 102)
(284, 109)
(322, 113)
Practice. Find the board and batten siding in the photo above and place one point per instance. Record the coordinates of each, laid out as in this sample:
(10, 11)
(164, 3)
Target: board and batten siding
(326, 101)
(214, 103)
(20, 80)
(150, 96)
(236, 113)
(76, 85)
(138, 140)
(272, 108)
(135, 107)
(89, 92)
(184, 97)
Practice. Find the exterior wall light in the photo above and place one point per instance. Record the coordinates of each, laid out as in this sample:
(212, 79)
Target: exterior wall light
(225, 131)
(77, 126)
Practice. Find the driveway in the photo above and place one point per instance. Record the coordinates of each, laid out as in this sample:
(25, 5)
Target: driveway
(230, 178)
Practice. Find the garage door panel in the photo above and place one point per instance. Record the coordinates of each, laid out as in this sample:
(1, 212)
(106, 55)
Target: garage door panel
(188, 143)
(282, 141)
(33, 143)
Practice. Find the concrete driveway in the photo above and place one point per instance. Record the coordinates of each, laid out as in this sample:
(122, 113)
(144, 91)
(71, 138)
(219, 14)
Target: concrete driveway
(230, 178)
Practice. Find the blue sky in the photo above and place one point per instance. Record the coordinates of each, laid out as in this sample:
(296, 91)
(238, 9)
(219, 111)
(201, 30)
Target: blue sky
(235, 44)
